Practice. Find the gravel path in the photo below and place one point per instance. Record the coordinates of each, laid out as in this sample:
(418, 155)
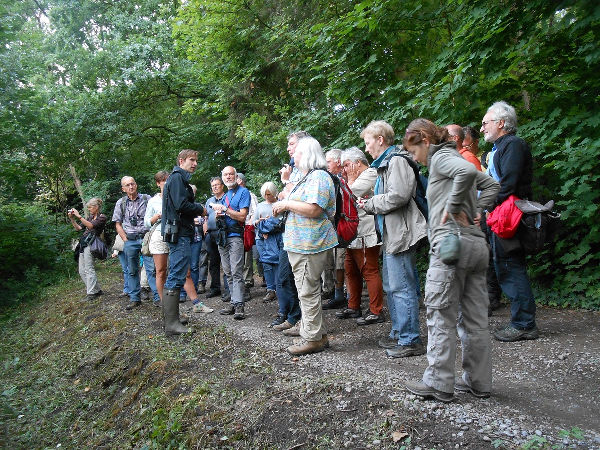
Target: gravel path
(544, 391)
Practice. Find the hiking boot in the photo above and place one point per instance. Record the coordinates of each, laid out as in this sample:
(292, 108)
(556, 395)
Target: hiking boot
(227, 311)
(387, 342)
(270, 296)
(285, 325)
(213, 293)
(294, 331)
(461, 386)
(200, 307)
(348, 313)
(324, 340)
(133, 305)
(402, 351)
(512, 334)
(277, 321)
(239, 312)
(306, 347)
(418, 388)
(335, 304)
(370, 319)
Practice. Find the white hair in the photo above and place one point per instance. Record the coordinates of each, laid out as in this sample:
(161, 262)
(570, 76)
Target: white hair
(354, 154)
(312, 154)
(335, 154)
(503, 111)
(268, 186)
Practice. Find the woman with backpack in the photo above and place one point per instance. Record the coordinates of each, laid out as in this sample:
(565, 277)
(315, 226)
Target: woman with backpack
(308, 237)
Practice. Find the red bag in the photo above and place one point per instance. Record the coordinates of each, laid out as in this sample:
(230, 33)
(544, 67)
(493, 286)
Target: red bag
(249, 237)
(346, 213)
(505, 218)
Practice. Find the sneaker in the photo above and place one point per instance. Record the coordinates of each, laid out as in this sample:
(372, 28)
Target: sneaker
(461, 386)
(512, 334)
(200, 307)
(133, 305)
(270, 296)
(285, 325)
(402, 351)
(293, 331)
(370, 319)
(277, 321)
(387, 342)
(306, 347)
(348, 313)
(418, 388)
(239, 312)
(227, 311)
(213, 293)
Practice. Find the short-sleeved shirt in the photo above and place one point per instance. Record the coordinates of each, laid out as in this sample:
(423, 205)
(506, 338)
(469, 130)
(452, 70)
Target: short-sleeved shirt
(312, 234)
(98, 225)
(237, 199)
(134, 211)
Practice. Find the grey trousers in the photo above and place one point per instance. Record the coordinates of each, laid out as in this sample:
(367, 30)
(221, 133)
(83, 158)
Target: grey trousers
(87, 271)
(456, 299)
(232, 260)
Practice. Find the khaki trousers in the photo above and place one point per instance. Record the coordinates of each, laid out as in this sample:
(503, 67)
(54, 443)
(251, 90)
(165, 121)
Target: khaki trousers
(456, 299)
(307, 269)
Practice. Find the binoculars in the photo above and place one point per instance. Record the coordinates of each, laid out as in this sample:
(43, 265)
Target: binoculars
(171, 234)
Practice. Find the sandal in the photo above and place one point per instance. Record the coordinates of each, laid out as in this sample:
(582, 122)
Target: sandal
(348, 313)
(370, 319)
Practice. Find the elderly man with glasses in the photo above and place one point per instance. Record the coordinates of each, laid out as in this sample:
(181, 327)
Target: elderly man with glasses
(511, 164)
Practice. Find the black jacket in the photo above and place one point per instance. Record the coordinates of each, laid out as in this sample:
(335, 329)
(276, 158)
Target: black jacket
(178, 202)
(514, 165)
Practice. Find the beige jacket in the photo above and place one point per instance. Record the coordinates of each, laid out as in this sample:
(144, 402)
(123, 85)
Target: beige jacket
(403, 223)
(363, 187)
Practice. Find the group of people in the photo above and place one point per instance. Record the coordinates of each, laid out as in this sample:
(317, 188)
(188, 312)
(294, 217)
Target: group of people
(304, 268)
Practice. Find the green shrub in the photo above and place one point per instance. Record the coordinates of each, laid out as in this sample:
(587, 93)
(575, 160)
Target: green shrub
(33, 250)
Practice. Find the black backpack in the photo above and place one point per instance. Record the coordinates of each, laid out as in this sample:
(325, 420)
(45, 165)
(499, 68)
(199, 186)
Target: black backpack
(419, 197)
(539, 225)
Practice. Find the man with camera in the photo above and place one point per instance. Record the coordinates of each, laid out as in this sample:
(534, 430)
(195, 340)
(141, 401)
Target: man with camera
(231, 211)
(178, 213)
(129, 223)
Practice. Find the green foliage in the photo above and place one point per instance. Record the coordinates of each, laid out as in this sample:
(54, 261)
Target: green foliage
(33, 251)
(117, 88)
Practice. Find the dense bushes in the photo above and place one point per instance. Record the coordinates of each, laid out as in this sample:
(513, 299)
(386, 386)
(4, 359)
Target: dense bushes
(33, 250)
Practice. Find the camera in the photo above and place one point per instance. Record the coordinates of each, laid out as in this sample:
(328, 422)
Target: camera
(71, 211)
(171, 233)
(133, 221)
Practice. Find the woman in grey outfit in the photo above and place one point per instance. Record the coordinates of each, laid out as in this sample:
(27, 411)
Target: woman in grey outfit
(455, 294)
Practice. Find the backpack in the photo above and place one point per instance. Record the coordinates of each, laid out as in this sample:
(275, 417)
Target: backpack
(345, 220)
(539, 225)
(419, 198)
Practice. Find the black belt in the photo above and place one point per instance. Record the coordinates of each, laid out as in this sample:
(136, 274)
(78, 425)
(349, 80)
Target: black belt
(134, 236)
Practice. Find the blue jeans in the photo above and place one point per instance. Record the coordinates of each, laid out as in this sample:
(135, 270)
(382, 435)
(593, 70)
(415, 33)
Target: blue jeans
(287, 294)
(132, 249)
(123, 261)
(270, 274)
(151, 276)
(511, 270)
(400, 285)
(179, 262)
(195, 248)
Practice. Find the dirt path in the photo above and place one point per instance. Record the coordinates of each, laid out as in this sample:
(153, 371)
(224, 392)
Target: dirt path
(543, 392)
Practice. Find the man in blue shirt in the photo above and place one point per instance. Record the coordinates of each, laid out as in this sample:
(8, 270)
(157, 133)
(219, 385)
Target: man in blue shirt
(232, 210)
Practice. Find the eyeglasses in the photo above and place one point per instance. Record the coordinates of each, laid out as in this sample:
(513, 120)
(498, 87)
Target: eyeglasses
(485, 122)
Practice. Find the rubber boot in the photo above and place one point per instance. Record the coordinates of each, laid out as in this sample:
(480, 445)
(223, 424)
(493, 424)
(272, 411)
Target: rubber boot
(170, 308)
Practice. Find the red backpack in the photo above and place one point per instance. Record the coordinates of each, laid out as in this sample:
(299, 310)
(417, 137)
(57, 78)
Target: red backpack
(346, 212)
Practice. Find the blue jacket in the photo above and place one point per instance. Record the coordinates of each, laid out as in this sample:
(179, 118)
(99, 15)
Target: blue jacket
(270, 248)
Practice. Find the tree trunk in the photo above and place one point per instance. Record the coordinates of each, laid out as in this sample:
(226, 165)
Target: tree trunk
(77, 184)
